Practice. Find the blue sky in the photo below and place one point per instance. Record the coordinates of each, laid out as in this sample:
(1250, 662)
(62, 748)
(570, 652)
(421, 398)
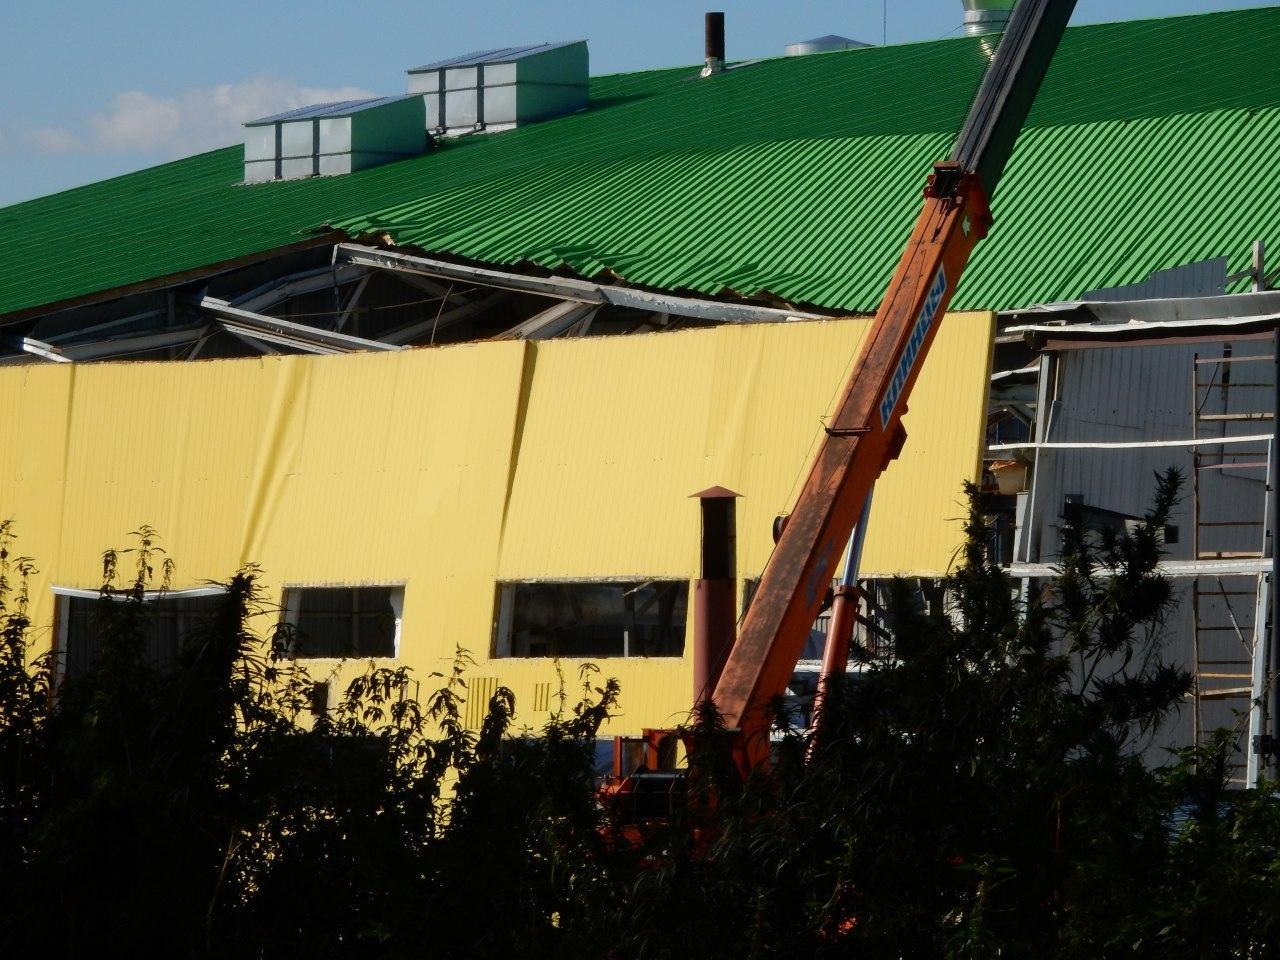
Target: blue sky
(96, 89)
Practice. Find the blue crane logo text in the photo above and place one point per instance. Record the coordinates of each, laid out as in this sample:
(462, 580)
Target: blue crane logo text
(918, 333)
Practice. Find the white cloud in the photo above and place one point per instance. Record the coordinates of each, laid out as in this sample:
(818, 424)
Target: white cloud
(201, 118)
(136, 121)
(51, 140)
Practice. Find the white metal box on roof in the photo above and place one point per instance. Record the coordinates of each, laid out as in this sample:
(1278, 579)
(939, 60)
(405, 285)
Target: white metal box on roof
(500, 89)
(827, 44)
(333, 138)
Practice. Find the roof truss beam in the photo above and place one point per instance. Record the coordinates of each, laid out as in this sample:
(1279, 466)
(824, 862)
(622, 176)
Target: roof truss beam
(131, 345)
(444, 319)
(32, 347)
(267, 295)
(285, 333)
(552, 321)
(567, 288)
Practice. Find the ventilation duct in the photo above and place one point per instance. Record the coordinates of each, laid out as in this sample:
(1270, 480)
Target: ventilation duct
(330, 139)
(714, 45)
(500, 89)
(825, 44)
(986, 16)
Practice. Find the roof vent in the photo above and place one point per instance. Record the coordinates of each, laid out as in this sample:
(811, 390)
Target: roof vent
(714, 30)
(986, 16)
(329, 139)
(823, 45)
(499, 89)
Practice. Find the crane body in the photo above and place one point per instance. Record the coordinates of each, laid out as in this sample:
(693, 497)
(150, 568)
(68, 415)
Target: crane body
(863, 436)
(865, 432)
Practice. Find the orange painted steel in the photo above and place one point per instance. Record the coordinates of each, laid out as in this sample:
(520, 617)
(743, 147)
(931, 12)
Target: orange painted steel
(864, 435)
(835, 655)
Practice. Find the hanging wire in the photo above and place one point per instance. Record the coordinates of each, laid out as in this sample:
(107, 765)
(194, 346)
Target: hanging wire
(392, 306)
(436, 322)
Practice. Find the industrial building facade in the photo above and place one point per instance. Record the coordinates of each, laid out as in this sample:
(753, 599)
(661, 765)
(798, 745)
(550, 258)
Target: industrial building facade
(463, 397)
(1119, 392)
(468, 476)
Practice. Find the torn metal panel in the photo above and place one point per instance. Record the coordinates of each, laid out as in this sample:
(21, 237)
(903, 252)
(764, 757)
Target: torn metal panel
(1149, 311)
(1203, 278)
(1023, 375)
(1140, 333)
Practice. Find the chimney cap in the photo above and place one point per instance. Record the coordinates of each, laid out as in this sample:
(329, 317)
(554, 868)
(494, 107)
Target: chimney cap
(715, 493)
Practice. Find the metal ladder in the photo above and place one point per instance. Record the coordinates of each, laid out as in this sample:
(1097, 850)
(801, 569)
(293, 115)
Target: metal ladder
(1229, 610)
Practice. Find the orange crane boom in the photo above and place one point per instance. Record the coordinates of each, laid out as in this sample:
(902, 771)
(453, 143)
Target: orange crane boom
(866, 432)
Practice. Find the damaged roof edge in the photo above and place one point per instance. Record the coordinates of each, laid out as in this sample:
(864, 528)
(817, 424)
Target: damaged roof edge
(398, 259)
(1140, 333)
(570, 288)
(1162, 309)
(169, 280)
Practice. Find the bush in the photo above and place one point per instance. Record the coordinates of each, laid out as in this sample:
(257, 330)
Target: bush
(979, 793)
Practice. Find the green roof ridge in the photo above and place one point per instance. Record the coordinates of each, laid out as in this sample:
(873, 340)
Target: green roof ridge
(796, 175)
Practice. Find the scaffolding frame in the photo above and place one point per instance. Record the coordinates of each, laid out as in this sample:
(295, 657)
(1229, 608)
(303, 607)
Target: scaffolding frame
(1240, 677)
(1223, 453)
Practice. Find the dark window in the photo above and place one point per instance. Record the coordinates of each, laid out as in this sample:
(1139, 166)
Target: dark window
(633, 619)
(333, 622)
(169, 622)
(319, 698)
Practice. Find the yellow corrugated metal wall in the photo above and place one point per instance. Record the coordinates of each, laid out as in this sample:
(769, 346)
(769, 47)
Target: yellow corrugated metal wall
(449, 469)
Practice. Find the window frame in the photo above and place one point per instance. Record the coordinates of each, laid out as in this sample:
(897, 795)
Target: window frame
(289, 612)
(501, 645)
(62, 612)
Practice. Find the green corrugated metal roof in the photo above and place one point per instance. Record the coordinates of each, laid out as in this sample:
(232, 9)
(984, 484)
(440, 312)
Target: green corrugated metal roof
(1151, 145)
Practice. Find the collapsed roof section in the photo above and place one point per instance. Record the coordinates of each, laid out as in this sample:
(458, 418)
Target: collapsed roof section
(350, 299)
(785, 176)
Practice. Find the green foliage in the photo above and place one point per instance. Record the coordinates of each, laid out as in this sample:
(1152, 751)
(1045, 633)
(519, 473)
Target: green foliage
(979, 793)
(196, 808)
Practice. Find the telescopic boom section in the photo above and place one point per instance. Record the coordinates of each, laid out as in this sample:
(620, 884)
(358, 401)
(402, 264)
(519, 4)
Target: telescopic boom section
(866, 433)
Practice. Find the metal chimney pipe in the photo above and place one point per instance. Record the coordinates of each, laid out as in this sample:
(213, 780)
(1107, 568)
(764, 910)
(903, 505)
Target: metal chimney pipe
(715, 43)
(715, 623)
(986, 16)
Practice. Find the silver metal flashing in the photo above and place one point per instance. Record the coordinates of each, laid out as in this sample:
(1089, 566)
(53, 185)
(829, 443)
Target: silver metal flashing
(831, 42)
(1126, 444)
(1170, 568)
